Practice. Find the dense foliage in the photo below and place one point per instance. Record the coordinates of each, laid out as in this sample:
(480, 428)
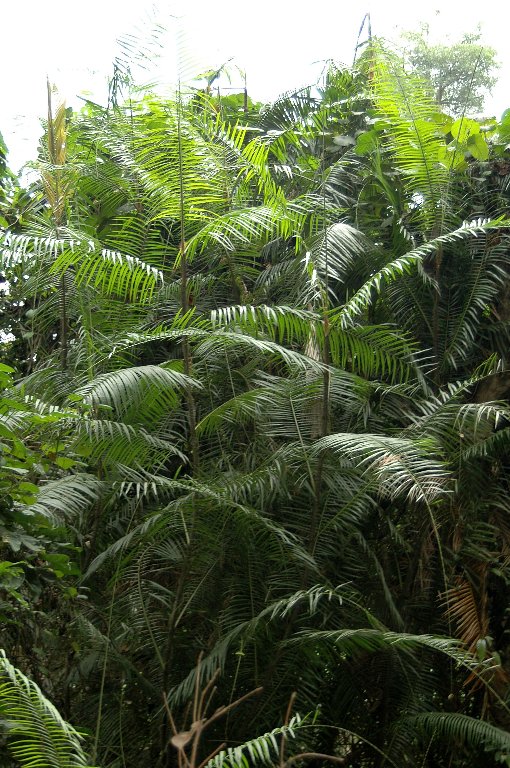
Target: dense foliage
(257, 446)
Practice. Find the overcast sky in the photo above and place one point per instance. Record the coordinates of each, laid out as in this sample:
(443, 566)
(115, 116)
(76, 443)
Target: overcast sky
(280, 44)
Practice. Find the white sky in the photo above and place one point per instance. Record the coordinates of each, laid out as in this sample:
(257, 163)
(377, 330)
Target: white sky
(278, 43)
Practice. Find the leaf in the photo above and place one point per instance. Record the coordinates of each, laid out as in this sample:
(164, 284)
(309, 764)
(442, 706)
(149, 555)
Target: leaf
(398, 466)
(464, 129)
(452, 727)
(37, 735)
(478, 147)
(366, 143)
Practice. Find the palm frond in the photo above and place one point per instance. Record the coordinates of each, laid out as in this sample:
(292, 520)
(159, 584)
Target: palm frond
(37, 735)
(66, 498)
(399, 466)
(454, 728)
(352, 641)
(370, 351)
(410, 261)
(414, 137)
(263, 749)
(110, 271)
(142, 392)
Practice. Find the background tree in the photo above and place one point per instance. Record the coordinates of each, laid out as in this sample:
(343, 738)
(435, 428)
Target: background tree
(7, 183)
(460, 74)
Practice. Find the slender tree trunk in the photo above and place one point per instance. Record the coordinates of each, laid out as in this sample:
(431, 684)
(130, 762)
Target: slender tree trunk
(186, 350)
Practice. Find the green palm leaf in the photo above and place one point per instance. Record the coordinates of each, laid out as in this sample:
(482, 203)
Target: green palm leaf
(37, 735)
(144, 392)
(109, 271)
(399, 466)
(410, 261)
(263, 749)
(455, 729)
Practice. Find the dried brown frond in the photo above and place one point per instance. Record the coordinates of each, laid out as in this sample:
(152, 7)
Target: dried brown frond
(469, 611)
(467, 605)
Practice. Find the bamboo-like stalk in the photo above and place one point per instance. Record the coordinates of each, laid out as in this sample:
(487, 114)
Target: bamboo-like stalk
(55, 192)
(326, 377)
(186, 350)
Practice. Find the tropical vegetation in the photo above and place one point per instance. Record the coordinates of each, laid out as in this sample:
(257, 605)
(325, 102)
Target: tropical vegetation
(255, 431)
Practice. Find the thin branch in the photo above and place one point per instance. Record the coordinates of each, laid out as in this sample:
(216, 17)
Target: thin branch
(314, 756)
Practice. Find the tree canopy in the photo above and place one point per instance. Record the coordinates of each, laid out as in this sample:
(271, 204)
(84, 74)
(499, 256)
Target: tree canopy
(460, 73)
